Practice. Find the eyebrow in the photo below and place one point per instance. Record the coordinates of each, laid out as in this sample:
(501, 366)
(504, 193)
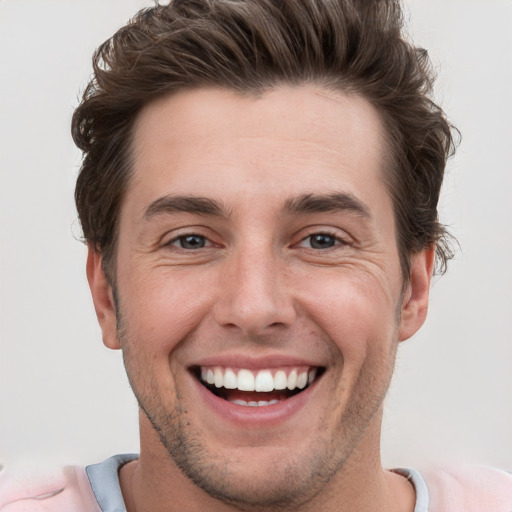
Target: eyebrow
(303, 204)
(188, 204)
(325, 203)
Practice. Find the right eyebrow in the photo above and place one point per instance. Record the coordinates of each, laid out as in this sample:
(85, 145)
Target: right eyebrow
(322, 203)
(188, 204)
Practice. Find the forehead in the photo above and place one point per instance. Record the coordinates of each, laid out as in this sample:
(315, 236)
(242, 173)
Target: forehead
(289, 140)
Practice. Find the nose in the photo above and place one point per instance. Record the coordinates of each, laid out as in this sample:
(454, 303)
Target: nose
(254, 296)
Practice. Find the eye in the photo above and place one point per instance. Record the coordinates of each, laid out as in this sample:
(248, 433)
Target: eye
(320, 241)
(191, 242)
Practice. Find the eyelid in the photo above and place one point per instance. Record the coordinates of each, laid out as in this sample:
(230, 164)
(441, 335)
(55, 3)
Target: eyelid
(341, 237)
(337, 242)
(175, 240)
(171, 238)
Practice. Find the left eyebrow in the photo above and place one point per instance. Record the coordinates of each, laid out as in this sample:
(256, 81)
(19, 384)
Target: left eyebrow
(324, 203)
(187, 204)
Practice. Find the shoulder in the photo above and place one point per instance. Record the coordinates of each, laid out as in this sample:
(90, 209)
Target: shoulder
(469, 488)
(61, 489)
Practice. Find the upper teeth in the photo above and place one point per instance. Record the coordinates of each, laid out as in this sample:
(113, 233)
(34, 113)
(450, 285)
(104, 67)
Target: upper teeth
(262, 380)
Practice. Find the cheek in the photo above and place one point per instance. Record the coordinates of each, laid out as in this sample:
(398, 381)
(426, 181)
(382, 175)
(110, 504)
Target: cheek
(357, 313)
(160, 310)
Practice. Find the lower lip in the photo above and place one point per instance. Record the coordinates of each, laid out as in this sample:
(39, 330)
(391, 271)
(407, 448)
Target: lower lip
(255, 417)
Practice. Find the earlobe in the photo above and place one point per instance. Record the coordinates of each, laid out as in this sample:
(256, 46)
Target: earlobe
(415, 300)
(102, 297)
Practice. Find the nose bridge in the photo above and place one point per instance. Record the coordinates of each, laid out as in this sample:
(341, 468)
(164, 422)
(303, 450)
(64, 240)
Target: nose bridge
(253, 294)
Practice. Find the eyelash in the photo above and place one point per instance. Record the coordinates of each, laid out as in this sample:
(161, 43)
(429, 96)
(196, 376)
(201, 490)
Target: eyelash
(325, 233)
(181, 239)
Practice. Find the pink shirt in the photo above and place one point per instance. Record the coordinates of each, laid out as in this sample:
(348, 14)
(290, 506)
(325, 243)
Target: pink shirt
(96, 489)
(66, 489)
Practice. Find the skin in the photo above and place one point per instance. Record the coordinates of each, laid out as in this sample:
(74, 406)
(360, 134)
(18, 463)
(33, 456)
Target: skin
(260, 288)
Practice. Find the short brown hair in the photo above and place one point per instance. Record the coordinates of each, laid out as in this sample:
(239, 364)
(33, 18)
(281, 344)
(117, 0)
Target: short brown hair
(249, 46)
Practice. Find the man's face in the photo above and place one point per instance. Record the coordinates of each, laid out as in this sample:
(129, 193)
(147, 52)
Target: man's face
(257, 249)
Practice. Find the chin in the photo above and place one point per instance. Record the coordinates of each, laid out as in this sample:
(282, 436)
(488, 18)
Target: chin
(260, 477)
(255, 478)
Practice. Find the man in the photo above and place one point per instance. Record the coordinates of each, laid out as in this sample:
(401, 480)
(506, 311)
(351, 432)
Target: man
(259, 197)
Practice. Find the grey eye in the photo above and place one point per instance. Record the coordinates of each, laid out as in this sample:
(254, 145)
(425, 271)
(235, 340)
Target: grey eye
(191, 241)
(322, 241)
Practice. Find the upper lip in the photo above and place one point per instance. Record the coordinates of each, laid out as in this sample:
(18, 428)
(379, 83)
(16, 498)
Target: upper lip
(255, 363)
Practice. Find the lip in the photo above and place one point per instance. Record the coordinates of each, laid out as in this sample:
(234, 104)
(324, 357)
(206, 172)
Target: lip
(269, 362)
(254, 418)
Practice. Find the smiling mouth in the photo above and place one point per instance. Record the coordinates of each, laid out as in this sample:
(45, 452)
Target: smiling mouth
(256, 388)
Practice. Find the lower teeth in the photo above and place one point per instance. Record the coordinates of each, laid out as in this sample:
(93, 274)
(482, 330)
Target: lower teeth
(253, 403)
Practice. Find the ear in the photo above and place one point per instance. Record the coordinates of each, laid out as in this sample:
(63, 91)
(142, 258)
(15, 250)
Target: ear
(415, 300)
(103, 299)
